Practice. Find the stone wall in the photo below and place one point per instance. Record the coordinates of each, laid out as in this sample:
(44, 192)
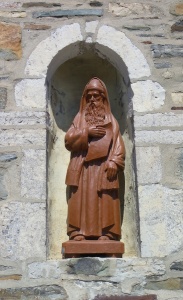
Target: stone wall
(143, 42)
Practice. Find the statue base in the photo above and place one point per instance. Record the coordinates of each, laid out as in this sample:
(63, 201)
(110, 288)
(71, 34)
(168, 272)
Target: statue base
(92, 248)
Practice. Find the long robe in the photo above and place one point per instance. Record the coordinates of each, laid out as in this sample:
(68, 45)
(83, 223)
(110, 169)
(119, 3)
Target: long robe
(93, 204)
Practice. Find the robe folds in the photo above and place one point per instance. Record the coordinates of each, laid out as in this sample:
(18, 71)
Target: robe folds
(93, 202)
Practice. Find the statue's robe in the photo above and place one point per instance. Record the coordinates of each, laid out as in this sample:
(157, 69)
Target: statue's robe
(93, 202)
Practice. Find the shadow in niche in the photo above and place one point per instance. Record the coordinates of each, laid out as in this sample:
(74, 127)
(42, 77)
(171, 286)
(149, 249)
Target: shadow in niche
(69, 80)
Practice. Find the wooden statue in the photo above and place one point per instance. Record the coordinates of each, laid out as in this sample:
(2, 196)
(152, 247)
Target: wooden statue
(97, 155)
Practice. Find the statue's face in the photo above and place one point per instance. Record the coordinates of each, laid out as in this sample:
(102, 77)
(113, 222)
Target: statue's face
(94, 98)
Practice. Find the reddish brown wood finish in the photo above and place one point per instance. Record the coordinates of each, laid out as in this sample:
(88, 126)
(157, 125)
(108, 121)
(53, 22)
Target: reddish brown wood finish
(97, 156)
(73, 249)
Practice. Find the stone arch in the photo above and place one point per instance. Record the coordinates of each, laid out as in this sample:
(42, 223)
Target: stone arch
(108, 41)
(66, 43)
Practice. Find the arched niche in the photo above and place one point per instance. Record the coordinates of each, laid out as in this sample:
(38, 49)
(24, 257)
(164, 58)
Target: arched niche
(65, 89)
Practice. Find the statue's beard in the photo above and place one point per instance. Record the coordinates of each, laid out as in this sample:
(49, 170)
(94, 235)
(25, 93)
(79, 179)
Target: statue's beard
(95, 115)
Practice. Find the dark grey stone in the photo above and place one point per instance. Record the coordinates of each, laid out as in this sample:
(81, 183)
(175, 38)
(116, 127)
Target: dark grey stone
(167, 50)
(96, 4)
(43, 292)
(136, 27)
(159, 35)
(4, 268)
(7, 157)
(151, 35)
(3, 97)
(85, 266)
(4, 77)
(163, 65)
(3, 191)
(179, 171)
(177, 266)
(178, 26)
(8, 54)
(177, 108)
(40, 4)
(68, 13)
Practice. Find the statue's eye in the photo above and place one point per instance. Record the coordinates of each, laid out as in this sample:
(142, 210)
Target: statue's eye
(90, 96)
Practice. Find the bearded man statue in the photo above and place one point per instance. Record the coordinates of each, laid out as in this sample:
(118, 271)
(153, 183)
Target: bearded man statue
(97, 155)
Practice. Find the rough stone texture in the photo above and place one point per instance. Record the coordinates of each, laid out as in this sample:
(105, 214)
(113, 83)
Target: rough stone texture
(10, 41)
(148, 96)
(31, 93)
(23, 232)
(40, 4)
(158, 120)
(4, 77)
(11, 277)
(4, 268)
(36, 26)
(148, 165)
(22, 118)
(13, 14)
(169, 284)
(10, 175)
(129, 53)
(51, 269)
(68, 13)
(43, 292)
(3, 97)
(89, 266)
(167, 50)
(173, 170)
(23, 137)
(33, 176)
(8, 4)
(37, 63)
(125, 9)
(137, 27)
(151, 35)
(3, 190)
(95, 3)
(160, 211)
(91, 26)
(178, 26)
(177, 9)
(162, 65)
(96, 269)
(177, 108)
(8, 169)
(7, 157)
(177, 99)
(167, 295)
(5, 164)
(177, 266)
(162, 137)
(167, 74)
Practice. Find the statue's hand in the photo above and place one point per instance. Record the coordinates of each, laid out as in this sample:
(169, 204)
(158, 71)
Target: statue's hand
(111, 170)
(96, 131)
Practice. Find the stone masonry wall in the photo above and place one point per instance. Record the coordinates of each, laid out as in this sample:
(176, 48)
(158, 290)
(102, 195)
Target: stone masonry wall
(147, 36)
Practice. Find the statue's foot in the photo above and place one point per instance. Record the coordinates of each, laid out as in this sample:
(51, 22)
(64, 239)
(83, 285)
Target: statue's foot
(104, 238)
(79, 237)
